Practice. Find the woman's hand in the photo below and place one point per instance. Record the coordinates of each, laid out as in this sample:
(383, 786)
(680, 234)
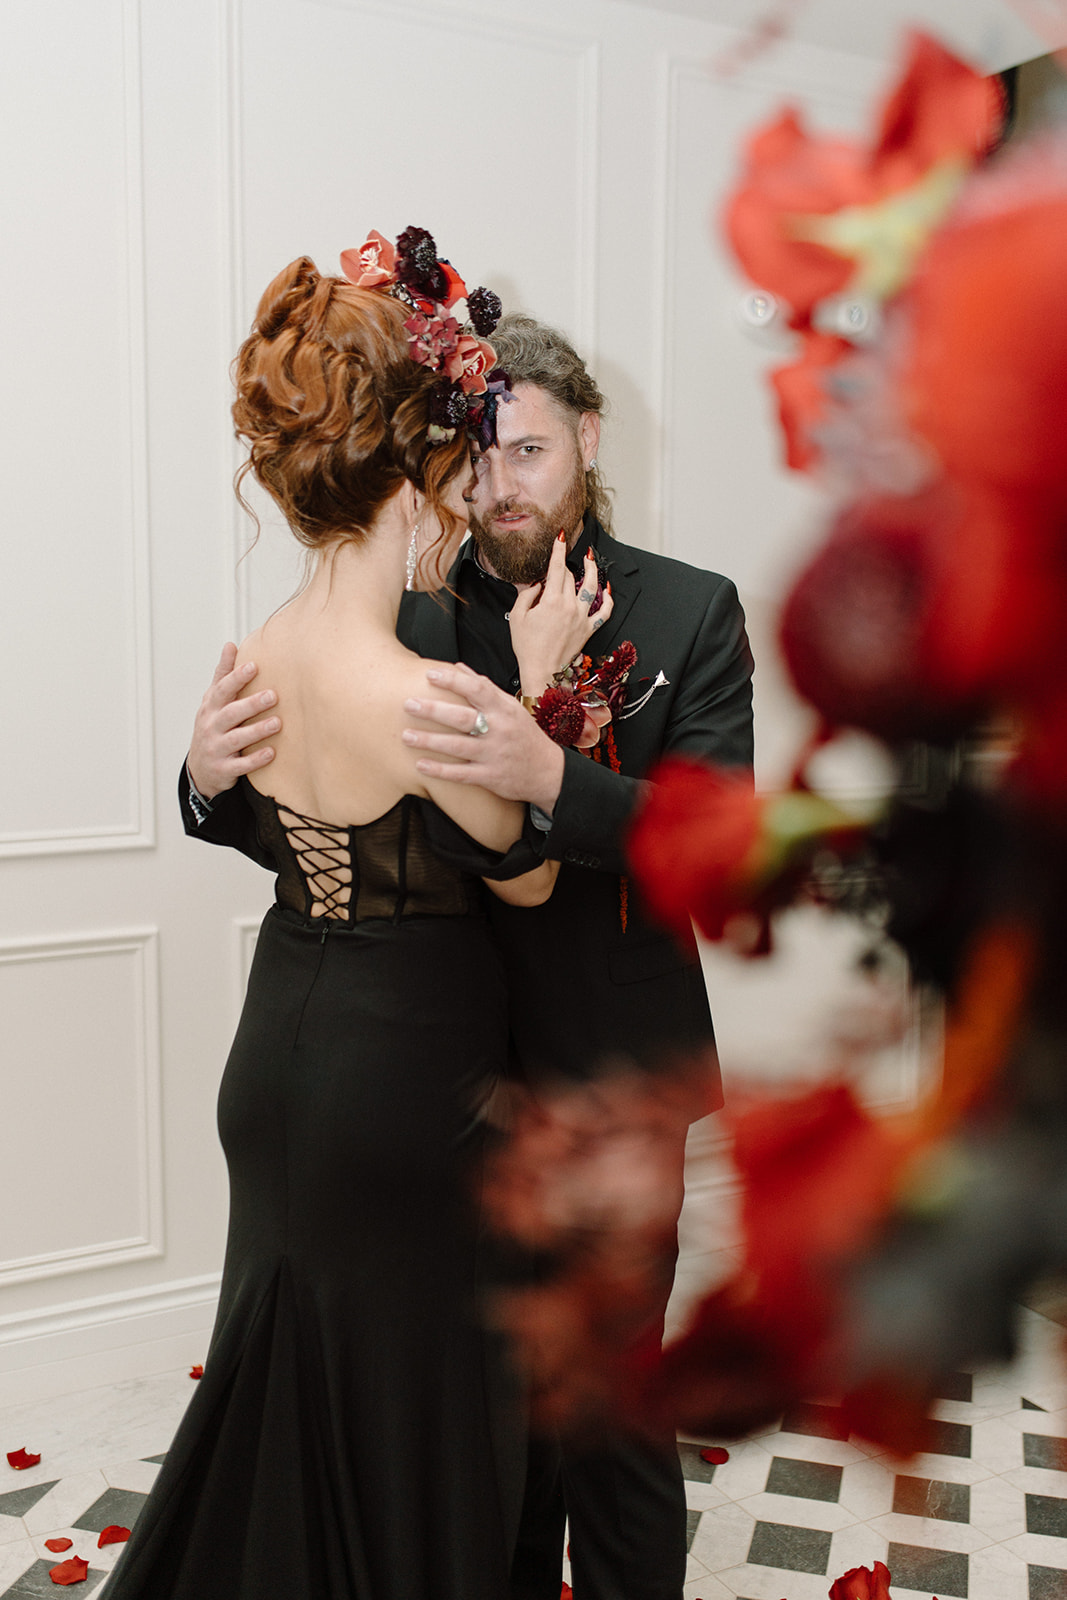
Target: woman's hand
(550, 624)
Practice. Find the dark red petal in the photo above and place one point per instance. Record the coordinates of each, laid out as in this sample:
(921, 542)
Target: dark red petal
(197, 1371)
(21, 1459)
(73, 1571)
(58, 1545)
(113, 1534)
(715, 1454)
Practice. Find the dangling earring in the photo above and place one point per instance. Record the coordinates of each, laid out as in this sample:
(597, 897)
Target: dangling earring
(412, 557)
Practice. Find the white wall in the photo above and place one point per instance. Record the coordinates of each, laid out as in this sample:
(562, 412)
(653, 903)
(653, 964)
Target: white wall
(168, 160)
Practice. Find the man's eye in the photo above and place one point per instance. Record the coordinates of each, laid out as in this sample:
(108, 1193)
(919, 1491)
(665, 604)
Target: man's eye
(529, 450)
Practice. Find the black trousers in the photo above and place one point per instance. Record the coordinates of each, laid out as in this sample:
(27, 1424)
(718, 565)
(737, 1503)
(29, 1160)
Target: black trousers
(626, 1504)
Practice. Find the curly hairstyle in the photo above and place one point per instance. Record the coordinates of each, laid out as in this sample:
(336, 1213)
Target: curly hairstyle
(334, 410)
(532, 352)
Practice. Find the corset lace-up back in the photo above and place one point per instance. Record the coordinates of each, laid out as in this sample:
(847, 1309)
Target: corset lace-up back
(353, 872)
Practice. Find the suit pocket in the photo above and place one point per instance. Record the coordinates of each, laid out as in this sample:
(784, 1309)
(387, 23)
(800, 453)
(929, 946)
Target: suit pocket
(651, 958)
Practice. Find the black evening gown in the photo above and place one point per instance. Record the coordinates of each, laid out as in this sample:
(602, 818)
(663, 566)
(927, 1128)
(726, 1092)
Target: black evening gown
(356, 1433)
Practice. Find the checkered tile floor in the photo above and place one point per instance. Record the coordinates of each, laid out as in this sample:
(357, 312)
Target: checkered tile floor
(981, 1517)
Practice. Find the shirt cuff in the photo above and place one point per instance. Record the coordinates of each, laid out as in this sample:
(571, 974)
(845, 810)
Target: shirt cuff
(200, 807)
(540, 819)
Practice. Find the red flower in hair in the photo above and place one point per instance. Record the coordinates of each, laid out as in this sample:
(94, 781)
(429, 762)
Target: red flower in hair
(372, 264)
(469, 362)
(431, 339)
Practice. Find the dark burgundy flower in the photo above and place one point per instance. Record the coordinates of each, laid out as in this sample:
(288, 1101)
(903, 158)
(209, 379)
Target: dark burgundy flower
(417, 267)
(561, 714)
(484, 309)
(448, 405)
(857, 627)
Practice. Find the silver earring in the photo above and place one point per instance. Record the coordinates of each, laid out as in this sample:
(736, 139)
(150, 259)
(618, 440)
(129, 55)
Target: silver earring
(591, 465)
(412, 557)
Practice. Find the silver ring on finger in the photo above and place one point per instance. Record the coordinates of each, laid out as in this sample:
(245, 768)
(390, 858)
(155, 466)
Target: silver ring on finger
(585, 596)
(481, 725)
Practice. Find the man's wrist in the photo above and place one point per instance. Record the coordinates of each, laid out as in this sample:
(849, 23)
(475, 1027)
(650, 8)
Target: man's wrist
(200, 804)
(550, 779)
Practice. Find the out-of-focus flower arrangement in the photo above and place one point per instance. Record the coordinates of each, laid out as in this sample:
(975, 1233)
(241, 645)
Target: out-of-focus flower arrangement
(879, 1253)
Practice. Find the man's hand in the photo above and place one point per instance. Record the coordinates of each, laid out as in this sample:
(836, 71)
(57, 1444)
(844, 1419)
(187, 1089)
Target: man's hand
(514, 759)
(221, 730)
(550, 622)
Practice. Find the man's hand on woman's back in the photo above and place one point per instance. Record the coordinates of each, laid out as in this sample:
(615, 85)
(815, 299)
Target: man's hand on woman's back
(223, 729)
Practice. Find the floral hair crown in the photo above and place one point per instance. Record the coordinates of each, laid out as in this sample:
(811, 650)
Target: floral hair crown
(464, 395)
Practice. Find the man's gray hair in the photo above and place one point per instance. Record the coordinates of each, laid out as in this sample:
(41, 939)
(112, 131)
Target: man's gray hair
(532, 352)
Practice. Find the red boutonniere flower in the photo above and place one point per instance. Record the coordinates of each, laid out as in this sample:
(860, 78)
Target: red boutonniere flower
(372, 265)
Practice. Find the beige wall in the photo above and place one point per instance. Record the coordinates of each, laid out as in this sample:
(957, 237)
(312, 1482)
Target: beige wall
(167, 161)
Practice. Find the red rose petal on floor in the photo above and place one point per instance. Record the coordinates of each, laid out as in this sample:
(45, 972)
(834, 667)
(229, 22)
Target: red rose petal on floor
(21, 1459)
(113, 1534)
(58, 1544)
(73, 1571)
(715, 1454)
(197, 1371)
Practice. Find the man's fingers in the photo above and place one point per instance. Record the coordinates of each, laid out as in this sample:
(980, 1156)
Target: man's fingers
(462, 718)
(252, 763)
(478, 690)
(241, 736)
(447, 744)
(453, 771)
(234, 712)
(226, 661)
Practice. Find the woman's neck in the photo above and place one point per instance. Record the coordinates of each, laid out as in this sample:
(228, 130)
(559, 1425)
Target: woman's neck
(358, 584)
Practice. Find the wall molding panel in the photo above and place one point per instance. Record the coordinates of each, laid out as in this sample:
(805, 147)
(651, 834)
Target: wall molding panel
(84, 1344)
(131, 514)
(83, 1086)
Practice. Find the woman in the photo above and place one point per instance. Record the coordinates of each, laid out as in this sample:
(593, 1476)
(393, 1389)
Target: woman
(354, 1436)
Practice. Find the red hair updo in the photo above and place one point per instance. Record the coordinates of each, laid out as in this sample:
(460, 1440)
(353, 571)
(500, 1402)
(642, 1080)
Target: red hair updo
(333, 408)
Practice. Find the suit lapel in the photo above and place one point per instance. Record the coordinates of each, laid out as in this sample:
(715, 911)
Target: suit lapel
(620, 566)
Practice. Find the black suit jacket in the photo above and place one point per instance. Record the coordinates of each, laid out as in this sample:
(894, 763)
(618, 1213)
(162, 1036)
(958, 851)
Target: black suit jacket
(583, 987)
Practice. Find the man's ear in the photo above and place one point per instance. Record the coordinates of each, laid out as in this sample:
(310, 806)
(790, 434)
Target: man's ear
(588, 437)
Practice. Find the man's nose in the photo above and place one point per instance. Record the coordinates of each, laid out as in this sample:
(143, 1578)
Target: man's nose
(497, 480)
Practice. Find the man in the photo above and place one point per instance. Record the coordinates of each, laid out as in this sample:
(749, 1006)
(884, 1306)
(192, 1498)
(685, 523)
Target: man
(589, 977)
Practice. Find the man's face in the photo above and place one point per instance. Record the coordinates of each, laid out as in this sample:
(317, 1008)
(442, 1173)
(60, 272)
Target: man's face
(531, 483)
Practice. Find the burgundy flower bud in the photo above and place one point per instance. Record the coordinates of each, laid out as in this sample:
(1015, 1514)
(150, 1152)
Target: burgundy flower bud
(448, 405)
(417, 266)
(484, 309)
(561, 715)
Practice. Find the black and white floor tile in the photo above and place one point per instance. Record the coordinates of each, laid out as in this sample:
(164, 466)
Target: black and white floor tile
(981, 1517)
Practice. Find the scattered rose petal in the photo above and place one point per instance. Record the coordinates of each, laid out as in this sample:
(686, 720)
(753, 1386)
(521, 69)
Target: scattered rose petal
(21, 1459)
(113, 1534)
(73, 1571)
(58, 1544)
(715, 1455)
(197, 1371)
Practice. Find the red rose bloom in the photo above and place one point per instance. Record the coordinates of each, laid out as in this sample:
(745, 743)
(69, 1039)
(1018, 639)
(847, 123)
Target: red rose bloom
(690, 843)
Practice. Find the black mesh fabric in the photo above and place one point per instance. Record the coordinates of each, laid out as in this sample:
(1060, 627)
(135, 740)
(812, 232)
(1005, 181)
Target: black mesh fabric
(349, 873)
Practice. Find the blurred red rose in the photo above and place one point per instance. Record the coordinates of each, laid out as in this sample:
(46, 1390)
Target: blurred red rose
(802, 396)
(940, 112)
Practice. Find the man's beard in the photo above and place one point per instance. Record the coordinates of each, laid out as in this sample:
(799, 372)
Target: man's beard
(521, 555)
